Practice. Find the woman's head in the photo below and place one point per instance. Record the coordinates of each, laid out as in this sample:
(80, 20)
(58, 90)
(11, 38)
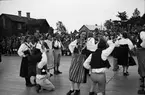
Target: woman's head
(83, 35)
(27, 39)
(44, 46)
(124, 35)
(102, 43)
(33, 39)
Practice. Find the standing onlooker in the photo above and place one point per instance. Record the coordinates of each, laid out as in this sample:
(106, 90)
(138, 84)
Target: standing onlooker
(57, 46)
(76, 70)
(97, 63)
(24, 51)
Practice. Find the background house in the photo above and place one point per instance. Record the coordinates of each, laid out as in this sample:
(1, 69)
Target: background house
(88, 28)
(16, 24)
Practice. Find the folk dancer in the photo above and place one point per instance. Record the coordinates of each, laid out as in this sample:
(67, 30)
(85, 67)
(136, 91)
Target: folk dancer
(43, 75)
(76, 70)
(24, 51)
(98, 63)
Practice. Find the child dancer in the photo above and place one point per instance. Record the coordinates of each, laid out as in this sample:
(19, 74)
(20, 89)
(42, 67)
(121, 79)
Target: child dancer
(97, 63)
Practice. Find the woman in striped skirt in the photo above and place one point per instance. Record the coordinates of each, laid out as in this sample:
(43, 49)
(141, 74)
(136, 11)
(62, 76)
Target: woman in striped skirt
(77, 71)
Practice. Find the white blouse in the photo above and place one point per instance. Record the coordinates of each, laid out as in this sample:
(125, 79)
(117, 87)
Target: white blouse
(127, 41)
(72, 45)
(23, 48)
(57, 43)
(91, 44)
(49, 43)
(142, 37)
(43, 61)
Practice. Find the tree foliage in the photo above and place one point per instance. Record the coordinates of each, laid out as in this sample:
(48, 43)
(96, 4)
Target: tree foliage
(136, 13)
(108, 24)
(60, 27)
(122, 15)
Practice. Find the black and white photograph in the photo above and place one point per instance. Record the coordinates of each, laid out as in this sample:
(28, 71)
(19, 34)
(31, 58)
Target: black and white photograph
(72, 47)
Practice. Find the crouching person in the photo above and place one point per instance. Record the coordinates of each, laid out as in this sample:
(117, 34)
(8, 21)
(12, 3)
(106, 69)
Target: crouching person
(97, 63)
(43, 75)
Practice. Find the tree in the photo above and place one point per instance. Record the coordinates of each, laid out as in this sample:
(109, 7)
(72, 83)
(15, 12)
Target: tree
(122, 15)
(136, 13)
(60, 27)
(108, 24)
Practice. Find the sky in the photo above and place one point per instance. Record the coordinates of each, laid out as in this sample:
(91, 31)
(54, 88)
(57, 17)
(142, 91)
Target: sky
(73, 13)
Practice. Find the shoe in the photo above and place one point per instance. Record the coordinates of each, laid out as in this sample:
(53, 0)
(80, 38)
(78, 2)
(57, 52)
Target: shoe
(55, 72)
(125, 74)
(141, 92)
(59, 72)
(70, 92)
(30, 85)
(77, 92)
(38, 88)
(92, 93)
(142, 86)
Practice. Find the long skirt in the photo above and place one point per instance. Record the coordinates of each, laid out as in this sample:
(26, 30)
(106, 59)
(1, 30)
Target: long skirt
(141, 61)
(77, 71)
(24, 67)
(50, 56)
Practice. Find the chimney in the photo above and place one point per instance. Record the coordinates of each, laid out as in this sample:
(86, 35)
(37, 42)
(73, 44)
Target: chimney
(19, 13)
(28, 14)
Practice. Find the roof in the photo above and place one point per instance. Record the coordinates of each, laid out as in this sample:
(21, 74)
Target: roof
(91, 27)
(28, 21)
(17, 18)
(37, 22)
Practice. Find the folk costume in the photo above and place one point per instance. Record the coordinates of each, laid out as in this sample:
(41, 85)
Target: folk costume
(98, 63)
(122, 52)
(24, 51)
(77, 71)
(43, 76)
(50, 56)
(33, 59)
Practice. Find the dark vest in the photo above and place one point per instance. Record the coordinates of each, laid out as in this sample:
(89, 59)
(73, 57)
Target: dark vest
(54, 47)
(97, 62)
(42, 71)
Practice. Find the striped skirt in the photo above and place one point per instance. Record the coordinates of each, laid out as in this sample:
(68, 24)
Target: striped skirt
(77, 71)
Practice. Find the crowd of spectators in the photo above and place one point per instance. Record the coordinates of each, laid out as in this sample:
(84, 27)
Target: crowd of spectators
(11, 44)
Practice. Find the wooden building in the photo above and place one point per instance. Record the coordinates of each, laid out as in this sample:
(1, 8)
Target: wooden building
(16, 24)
